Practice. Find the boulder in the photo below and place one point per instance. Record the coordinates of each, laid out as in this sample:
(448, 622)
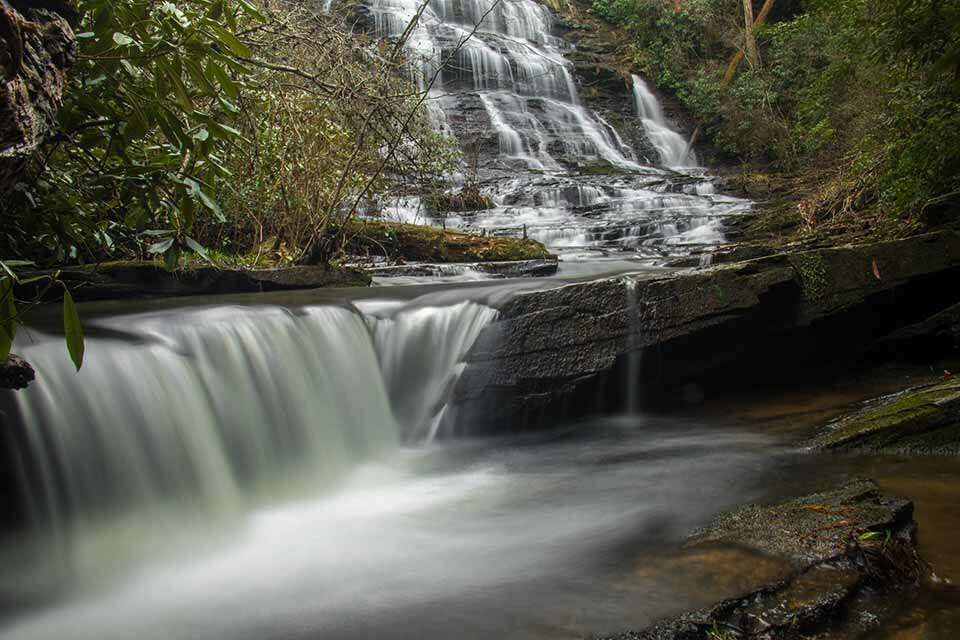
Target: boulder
(848, 547)
(37, 47)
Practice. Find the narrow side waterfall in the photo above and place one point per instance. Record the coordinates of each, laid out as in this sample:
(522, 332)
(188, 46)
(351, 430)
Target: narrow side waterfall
(634, 354)
(205, 410)
(672, 147)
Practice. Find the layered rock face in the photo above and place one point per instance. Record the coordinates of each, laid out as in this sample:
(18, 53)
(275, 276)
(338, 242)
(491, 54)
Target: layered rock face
(566, 351)
(37, 47)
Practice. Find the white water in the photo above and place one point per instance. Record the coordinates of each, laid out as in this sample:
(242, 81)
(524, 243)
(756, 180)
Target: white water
(207, 410)
(670, 145)
(514, 67)
(267, 472)
(510, 92)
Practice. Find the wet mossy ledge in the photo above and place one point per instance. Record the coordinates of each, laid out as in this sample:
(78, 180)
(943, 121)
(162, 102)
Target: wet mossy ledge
(135, 280)
(397, 243)
(421, 243)
(919, 421)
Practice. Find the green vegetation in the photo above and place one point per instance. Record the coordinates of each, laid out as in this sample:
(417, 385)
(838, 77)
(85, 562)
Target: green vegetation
(914, 411)
(218, 123)
(860, 98)
(199, 129)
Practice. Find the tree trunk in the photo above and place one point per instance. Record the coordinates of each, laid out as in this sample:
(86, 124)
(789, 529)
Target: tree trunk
(751, 43)
(738, 56)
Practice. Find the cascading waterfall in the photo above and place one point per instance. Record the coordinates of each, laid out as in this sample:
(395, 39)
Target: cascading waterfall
(210, 408)
(506, 89)
(514, 67)
(670, 145)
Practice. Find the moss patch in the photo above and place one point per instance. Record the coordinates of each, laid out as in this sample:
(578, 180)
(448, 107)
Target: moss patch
(900, 419)
(421, 243)
(813, 273)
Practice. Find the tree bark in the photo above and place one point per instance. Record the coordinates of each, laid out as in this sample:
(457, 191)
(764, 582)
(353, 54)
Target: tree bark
(737, 58)
(751, 42)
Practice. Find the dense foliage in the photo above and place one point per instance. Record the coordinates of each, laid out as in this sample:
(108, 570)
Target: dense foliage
(214, 125)
(863, 93)
(218, 122)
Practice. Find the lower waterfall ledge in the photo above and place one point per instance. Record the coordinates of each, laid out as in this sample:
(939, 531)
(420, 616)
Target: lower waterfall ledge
(555, 353)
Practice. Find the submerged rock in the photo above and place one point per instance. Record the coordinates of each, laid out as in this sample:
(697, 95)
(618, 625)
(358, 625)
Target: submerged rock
(923, 420)
(848, 547)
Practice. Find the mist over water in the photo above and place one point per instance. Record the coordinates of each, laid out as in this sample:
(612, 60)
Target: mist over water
(468, 540)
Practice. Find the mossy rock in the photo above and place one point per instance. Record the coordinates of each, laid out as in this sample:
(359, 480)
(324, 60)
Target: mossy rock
(422, 243)
(467, 199)
(923, 420)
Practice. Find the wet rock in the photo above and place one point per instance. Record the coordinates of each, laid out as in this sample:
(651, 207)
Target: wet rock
(37, 47)
(506, 269)
(935, 334)
(561, 352)
(15, 373)
(145, 280)
(849, 547)
(924, 420)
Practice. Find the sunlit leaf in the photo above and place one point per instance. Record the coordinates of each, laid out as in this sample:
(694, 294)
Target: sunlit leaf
(122, 39)
(160, 247)
(197, 248)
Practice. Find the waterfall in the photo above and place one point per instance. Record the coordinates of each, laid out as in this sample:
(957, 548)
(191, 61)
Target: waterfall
(514, 67)
(205, 409)
(672, 147)
(504, 86)
(634, 353)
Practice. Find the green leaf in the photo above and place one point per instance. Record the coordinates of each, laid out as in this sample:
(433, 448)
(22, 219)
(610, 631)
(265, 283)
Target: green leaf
(224, 80)
(72, 330)
(198, 77)
(230, 41)
(8, 317)
(160, 247)
(8, 266)
(197, 248)
(171, 258)
(179, 90)
(122, 39)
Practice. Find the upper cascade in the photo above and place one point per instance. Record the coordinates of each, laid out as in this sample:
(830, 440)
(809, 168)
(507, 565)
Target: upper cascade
(503, 52)
(558, 171)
